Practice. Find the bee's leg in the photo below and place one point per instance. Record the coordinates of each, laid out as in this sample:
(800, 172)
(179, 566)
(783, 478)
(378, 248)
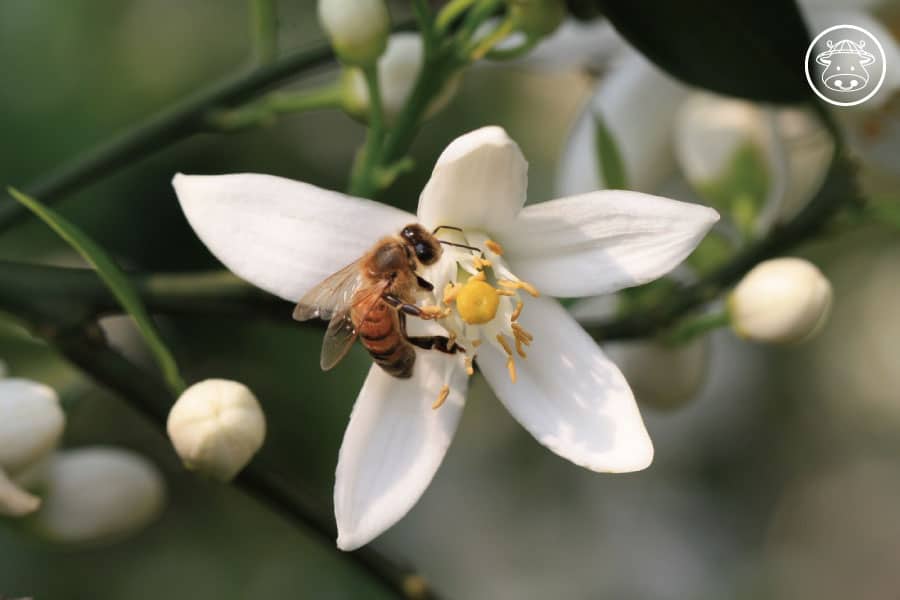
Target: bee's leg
(428, 312)
(430, 342)
(424, 284)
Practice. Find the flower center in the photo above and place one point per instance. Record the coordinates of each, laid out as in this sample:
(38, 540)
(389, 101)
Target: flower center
(477, 302)
(483, 299)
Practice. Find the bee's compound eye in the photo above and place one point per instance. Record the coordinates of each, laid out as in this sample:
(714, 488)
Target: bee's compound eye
(425, 253)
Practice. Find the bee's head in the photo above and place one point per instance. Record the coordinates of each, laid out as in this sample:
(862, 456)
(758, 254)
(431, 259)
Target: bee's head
(425, 246)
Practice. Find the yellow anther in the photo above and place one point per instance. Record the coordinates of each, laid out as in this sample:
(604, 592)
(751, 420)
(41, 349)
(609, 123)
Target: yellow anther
(517, 311)
(476, 343)
(519, 349)
(506, 292)
(469, 369)
(494, 247)
(519, 285)
(520, 333)
(442, 397)
(529, 288)
(511, 367)
(502, 340)
(477, 302)
(481, 263)
(450, 292)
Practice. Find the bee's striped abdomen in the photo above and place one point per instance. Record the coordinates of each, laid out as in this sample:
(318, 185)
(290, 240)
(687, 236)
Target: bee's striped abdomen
(379, 332)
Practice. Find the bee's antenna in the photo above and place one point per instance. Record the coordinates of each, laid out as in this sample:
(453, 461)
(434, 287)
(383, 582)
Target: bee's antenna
(478, 250)
(439, 227)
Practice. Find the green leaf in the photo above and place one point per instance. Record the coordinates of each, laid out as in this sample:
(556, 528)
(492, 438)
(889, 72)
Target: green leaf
(742, 48)
(115, 280)
(609, 159)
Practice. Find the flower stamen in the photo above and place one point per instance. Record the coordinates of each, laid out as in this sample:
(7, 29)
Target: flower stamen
(501, 339)
(494, 247)
(511, 367)
(519, 285)
(518, 311)
(442, 397)
(470, 370)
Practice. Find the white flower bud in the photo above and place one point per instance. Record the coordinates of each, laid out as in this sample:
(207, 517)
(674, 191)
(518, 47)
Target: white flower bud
(661, 376)
(783, 300)
(31, 423)
(358, 29)
(398, 69)
(216, 427)
(98, 494)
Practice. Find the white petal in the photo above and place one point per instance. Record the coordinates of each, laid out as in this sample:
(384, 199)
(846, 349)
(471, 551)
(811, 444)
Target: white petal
(14, 501)
(478, 182)
(638, 103)
(281, 235)
(393, 445)
(601, 242)
(571, 398)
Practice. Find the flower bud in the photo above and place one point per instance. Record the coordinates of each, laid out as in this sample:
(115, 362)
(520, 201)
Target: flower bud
(358, 29)
(216, 427)
(662, 376)
(398, 69)
(31, 423)
(98, 494)
(781, 301)
(538, 18)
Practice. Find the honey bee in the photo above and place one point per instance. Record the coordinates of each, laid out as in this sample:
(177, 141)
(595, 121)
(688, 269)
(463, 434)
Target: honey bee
(370, 299)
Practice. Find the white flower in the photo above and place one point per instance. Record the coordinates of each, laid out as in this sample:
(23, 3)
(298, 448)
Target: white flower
(358, 29)
(31, 423)
(98, 494)
(783, 300)
(216, 427)
(286, 237)
(398, 69)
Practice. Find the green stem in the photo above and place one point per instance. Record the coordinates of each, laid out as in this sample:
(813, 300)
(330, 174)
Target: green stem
(362, 178)
(264, 30)
(72, 296)
(426, 24)
(688, 329)
(267, 109)
(450, 13)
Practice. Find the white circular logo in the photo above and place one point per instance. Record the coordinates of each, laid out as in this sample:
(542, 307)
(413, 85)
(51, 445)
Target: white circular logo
(845, 65)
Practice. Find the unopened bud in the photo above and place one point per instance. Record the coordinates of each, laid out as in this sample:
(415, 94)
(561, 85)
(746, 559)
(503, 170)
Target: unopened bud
(15, 501)
(398, 70)
(216, 427)
(31, 423)
(358, 29)
(538, 18)
(98, 494)
(781, 301)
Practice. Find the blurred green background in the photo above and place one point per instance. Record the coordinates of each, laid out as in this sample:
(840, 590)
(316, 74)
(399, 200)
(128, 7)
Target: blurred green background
(781, 480)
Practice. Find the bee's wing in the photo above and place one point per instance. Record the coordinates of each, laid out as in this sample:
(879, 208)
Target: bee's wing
(331, 296)
(342, 332)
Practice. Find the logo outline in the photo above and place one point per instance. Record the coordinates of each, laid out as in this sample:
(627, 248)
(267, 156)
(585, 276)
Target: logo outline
(820, 94)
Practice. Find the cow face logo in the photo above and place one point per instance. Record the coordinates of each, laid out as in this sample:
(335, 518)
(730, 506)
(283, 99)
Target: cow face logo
(845, 65)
